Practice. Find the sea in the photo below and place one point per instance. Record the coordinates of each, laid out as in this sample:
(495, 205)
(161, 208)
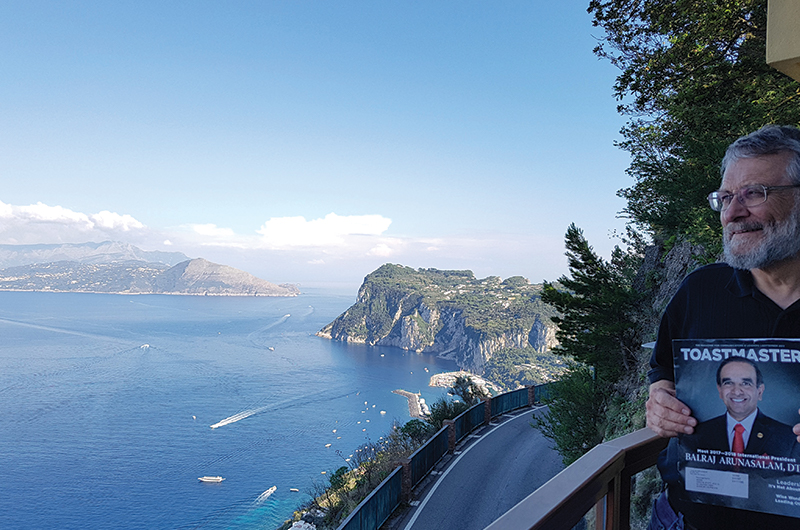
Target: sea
(112, 407)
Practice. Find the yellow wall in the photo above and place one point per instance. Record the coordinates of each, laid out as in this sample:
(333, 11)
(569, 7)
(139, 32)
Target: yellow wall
(783, 36)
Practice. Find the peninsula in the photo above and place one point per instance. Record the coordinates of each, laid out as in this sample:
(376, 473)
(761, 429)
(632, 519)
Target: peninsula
(92, 271)
(447, 312)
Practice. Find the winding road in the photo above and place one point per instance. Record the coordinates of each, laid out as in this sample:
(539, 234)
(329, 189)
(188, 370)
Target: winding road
(492, 473)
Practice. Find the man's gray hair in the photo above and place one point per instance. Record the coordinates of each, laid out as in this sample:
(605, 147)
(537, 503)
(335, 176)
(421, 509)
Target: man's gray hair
(768, 140)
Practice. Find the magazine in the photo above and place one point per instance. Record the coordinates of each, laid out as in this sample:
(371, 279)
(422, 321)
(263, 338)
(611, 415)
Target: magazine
(759, 388)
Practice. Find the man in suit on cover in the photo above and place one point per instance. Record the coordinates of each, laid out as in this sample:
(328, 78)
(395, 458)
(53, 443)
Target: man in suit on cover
(743, 428)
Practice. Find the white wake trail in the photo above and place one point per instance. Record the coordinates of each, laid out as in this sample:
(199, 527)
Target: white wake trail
(264, 496)
(239, 416)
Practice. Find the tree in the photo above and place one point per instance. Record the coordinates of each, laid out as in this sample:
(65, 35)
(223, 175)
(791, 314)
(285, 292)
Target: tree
(598, 306)
(576, 417)
(444, 409)
(693, 79)
(469, 391)
(417, 430)
(598, 329)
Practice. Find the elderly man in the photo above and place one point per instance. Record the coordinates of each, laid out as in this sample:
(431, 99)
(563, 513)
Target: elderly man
(753, 295)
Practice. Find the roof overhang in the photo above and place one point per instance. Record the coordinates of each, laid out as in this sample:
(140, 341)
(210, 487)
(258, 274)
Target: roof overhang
(783, 36)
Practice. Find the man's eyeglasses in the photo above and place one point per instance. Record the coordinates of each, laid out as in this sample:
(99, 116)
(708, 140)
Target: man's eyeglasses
(748, 196)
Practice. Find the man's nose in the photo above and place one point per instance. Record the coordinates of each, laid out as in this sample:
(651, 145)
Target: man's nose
(735, 210)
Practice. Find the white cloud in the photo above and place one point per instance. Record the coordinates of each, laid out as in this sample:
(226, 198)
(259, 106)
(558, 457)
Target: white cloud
(213, 230)
(42, 223)
(331, 230)
(334, 247)
(106, 219)
(40, 212)
(382, 250)
(5, 210)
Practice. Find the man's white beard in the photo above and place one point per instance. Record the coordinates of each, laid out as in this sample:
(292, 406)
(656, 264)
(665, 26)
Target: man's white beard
(781, 242)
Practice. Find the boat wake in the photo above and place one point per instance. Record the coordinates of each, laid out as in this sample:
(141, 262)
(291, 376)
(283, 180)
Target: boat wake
(259, 336)
(239, 416)
(336, 393)
(264, 496)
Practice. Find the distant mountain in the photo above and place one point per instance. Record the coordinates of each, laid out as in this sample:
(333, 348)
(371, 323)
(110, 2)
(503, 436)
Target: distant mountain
(105, 252)
(450, 313)
(197, 276)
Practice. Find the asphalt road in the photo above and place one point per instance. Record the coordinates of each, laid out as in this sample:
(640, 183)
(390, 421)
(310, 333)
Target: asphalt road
(488, 478)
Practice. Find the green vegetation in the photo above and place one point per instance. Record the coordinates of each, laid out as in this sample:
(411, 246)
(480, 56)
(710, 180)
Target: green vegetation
(444, 409)
(396, 301)
(598, 330)
(464, 388)
(364, 470)
(513, 368)
(693, 78)
(576, 414)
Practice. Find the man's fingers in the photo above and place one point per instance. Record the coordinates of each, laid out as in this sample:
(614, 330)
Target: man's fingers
(668, 400)
(667, 416)
(671, 424)
(796, 430)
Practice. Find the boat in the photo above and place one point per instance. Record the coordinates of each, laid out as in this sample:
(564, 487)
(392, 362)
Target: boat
(210, 479)
(264, 496)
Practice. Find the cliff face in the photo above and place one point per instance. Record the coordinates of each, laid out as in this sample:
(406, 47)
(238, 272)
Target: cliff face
(449, 313)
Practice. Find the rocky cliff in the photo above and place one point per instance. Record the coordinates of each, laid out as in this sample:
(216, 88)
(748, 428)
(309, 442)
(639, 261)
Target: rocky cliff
(450, 313)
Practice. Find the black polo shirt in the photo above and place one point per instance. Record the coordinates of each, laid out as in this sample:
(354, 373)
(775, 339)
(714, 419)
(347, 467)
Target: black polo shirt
(718, 302)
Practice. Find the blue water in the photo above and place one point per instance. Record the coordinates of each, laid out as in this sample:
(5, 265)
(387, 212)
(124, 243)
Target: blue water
(98, 430)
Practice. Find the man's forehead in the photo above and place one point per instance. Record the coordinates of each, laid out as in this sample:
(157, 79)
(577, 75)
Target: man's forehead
(764, 169)
(736, 369)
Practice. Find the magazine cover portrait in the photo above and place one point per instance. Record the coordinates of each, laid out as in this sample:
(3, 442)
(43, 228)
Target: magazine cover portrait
(743, 393)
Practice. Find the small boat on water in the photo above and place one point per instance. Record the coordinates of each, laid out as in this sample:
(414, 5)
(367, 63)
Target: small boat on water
(210, 479)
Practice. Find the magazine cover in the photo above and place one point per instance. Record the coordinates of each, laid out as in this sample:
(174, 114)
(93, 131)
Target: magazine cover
(744, 395)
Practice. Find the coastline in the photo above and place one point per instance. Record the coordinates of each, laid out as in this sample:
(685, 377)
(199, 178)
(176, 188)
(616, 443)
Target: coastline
(414, 407)
(172, 293)
(448, 379)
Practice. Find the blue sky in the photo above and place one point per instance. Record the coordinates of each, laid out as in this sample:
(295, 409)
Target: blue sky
(311, 141)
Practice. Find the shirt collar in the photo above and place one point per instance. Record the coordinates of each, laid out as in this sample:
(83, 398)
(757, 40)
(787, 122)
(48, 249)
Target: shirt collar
(741, 283)
(747, 423)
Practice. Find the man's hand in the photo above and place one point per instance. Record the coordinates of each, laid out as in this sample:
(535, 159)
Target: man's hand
(667, 416)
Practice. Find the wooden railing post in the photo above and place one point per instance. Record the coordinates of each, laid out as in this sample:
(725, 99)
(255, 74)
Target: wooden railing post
(487, 411)
(531, 395)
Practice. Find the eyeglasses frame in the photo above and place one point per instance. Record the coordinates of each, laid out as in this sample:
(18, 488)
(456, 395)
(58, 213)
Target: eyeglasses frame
(714, 196)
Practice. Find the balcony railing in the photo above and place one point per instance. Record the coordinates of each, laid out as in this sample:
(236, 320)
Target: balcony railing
(601, 479)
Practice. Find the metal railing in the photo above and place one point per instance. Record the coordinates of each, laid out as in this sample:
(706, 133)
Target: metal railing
(601, 478)
(428, 455)
(466, 422)
(373, 511)
(509, 401)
